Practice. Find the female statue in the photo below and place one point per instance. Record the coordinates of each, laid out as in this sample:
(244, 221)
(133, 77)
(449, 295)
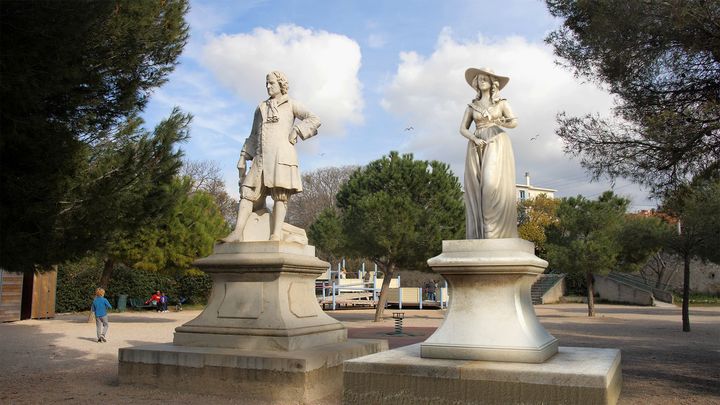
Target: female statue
(490, 201)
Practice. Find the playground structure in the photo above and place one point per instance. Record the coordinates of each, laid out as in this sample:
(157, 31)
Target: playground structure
(334, 290)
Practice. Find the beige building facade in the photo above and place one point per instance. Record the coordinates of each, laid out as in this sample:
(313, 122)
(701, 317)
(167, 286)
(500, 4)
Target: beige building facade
(528, 192)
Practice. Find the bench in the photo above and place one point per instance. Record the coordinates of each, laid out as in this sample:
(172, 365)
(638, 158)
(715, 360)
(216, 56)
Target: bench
(138, 304)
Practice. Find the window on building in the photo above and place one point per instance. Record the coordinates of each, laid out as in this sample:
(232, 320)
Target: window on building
(522, 195)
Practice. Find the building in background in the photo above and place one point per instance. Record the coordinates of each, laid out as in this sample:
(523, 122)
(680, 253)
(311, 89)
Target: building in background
(528, 192)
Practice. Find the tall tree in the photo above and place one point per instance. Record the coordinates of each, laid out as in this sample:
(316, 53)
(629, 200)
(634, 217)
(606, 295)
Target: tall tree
(326, 233)
(123, 185)
(584, 239)
(661, 59)
(396, 211)
(173, 241)
(74, 76)
(697, 208)
(535, 216)
(661, 229)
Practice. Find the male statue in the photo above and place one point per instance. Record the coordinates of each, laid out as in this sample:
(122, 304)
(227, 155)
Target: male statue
(270, 146)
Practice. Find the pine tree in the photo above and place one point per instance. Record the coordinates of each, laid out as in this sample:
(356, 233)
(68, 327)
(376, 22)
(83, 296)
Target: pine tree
(75, 75)
(395, 211)
(661, 59)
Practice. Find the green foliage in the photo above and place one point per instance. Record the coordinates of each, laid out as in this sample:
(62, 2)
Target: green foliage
(699, 299)
(697, 207)
(141, 283)
(74, 77)
(395, 211)
(398, 210)
(585, 237)
(660, 59)
(640, 238)
(77, 282)
(575, 284)
(195, 285)
(129, 183)
(173, 241)
(326, 233)
(535, 216)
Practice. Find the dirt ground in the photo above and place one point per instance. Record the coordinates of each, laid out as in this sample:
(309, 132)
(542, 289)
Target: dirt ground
(58, 360)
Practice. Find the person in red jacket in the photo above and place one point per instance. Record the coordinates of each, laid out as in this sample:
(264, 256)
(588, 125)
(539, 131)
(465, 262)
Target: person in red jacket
(155, 299)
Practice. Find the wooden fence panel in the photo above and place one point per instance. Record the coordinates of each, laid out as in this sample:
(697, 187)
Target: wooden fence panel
(10, 296)
(43, 297)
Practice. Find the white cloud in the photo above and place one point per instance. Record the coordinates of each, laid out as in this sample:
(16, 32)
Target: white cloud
(322, 68)
(430, 94)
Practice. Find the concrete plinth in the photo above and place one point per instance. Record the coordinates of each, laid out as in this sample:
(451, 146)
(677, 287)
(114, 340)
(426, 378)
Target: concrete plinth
(300, 376)
(490, 314)
(397, 377)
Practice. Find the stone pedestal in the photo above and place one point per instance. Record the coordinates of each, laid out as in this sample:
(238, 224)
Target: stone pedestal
(262, 335)
(401, 377)
(491, 348)
(263, 298)
(490, 314)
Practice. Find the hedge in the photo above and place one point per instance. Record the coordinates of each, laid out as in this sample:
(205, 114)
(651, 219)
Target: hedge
(77, 282)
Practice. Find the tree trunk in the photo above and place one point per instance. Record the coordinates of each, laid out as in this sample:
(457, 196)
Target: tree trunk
(686, 293)
(389, 271)
(590, 293)
(107, 273)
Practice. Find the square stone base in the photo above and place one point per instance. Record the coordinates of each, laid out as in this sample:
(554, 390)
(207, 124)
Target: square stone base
(304, 376)
(573, 376)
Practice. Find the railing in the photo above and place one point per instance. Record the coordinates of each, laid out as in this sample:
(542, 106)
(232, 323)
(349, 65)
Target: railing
(543, 284)
(333, 290)
(660, 294)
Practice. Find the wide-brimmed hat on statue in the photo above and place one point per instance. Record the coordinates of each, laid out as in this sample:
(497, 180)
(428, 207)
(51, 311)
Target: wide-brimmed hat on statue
(471, 73)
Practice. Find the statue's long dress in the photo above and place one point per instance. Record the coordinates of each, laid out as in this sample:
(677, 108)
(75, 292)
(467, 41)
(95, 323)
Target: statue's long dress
(490, 194)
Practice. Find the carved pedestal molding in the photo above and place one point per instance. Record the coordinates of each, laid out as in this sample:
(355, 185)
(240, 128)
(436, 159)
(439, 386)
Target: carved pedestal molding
(490, 315)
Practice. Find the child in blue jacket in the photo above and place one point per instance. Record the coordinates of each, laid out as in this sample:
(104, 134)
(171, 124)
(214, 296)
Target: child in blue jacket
(100, 306)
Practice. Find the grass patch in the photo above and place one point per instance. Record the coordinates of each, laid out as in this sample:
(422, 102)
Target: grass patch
(699, 299)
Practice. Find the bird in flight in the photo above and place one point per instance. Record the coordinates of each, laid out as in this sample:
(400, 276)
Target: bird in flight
(534, 137)
(409, 128)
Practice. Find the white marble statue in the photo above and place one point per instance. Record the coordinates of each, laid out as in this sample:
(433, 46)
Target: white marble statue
(490, 200)
(277, 124)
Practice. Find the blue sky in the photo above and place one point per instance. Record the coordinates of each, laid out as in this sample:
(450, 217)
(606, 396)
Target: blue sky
(371, 69)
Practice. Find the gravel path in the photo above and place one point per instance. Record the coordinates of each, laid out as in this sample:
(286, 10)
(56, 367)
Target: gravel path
(59, 361)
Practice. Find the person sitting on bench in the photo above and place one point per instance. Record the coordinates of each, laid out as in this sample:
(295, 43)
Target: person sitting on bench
(154, 300)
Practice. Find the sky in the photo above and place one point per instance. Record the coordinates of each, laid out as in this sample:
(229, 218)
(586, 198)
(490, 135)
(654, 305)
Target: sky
(382, 76)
